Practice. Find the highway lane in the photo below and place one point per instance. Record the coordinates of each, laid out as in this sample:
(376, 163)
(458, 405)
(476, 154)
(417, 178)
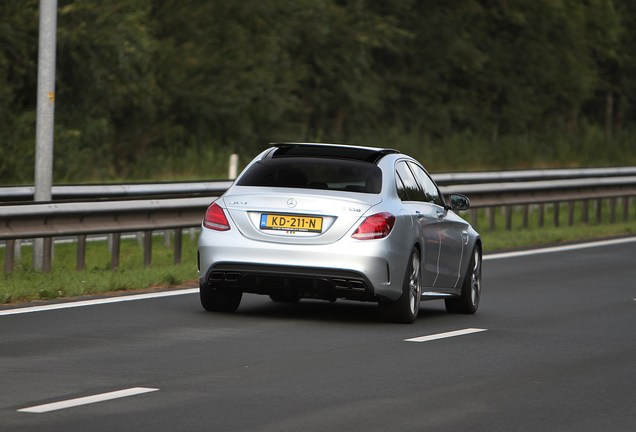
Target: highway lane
(558, 353)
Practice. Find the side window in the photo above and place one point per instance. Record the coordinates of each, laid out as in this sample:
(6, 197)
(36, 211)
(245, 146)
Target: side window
(411, 189)
(430, 190)
(401, 190)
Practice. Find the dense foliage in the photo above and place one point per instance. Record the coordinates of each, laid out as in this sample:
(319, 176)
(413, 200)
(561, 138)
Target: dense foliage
(151, 89)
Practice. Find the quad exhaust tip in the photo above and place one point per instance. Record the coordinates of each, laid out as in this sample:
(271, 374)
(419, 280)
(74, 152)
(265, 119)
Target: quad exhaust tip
(349, 284)
(224, 276)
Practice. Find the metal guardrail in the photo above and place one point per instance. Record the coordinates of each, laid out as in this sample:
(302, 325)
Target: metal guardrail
(69, 219)
(75, 192)
(530, 175)
(53, 219)
(217, 187)
(537, 192)
(115, 217)
(553, 192)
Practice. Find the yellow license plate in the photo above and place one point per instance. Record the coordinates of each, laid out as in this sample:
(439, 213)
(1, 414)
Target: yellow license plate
(291, 223)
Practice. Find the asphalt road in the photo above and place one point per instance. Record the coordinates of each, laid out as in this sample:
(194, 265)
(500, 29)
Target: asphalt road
(557, 352)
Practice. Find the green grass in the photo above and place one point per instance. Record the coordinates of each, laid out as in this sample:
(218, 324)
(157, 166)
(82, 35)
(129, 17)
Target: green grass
(502, 240)
(25, 284)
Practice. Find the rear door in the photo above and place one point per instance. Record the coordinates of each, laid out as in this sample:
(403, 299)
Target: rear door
(450, 229)
(426, 221)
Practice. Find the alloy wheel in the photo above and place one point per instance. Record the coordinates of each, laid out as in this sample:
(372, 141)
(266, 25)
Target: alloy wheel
(475, 285)
(415, 284)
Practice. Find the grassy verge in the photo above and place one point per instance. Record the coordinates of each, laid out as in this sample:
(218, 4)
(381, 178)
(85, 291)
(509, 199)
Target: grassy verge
(502, 240)
(25, 284)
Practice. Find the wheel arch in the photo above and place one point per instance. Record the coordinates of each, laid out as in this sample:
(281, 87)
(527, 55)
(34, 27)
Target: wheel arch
(469, 250)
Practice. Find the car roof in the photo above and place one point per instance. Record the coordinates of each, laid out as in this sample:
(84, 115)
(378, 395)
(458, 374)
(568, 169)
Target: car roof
(340, 151)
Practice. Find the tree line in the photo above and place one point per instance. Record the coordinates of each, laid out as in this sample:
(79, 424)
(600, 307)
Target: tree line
(144, 84)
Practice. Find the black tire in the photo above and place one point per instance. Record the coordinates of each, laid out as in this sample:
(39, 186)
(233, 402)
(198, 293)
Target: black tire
(468, 301)
(405, 309)
(285, 296)
(219, 300)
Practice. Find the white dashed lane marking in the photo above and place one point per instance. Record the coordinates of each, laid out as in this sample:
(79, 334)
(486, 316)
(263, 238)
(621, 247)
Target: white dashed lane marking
(54, 406)
(445, 335)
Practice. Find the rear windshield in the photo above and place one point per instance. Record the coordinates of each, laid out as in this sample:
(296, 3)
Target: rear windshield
(315, 173)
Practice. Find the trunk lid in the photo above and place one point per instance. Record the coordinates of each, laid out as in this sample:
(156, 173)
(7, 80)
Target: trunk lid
(336, 212)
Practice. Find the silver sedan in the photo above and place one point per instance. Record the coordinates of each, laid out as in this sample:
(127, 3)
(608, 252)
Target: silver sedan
(326, 221)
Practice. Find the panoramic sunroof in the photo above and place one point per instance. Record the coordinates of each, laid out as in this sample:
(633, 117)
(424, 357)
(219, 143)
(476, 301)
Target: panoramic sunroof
(366, 154)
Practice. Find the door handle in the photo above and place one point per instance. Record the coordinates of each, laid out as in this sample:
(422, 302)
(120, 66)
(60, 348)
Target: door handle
(419, 215)
(440, 215)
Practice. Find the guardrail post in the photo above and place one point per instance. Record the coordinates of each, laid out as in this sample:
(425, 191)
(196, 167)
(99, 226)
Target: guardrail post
(599, 210)
(166, 238)
(612, 210)
(508, 218)
(585, 207)
(114, 262)
(541, 214)
(147, 248)
(626, 208)
(178, 234)
(526, 211)
(46, 265)
(17, 251)
(570, 213)
(557, 208)
(491, 217)
(81, 252)
(8, 256)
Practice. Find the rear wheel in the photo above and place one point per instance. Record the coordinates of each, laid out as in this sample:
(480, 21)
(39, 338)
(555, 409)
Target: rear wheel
(219, 300)
(468, 301)
(405, 309)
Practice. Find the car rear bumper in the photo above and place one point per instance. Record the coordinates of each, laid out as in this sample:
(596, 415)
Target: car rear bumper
(323, 283)
(368, 270)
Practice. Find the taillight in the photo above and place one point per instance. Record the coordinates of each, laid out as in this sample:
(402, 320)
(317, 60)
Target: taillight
(375, 227)
(215, 219)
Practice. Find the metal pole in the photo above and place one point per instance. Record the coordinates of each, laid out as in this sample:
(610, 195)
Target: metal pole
(233, 172)
(45, 114)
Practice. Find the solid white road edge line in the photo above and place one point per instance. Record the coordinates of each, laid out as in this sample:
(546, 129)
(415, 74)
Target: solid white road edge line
(87, 400)
(445, 335)
(560, 248)
(81, 303)
(73, 304)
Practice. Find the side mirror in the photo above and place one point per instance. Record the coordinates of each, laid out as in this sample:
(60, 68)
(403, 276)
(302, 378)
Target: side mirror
(459, 202)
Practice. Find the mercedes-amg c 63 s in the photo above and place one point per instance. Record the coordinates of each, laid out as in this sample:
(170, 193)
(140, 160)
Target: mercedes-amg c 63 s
(326, 221)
